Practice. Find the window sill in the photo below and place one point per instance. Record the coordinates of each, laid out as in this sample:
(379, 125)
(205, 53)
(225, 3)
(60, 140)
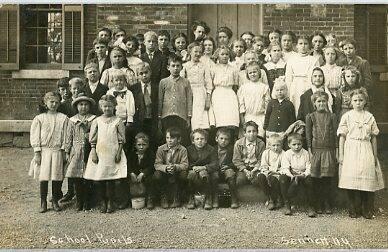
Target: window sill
(40, 74)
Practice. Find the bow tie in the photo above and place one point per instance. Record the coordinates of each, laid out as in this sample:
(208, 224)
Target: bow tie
(121, 93)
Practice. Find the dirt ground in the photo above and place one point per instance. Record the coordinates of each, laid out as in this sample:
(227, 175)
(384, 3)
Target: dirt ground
(250, 226)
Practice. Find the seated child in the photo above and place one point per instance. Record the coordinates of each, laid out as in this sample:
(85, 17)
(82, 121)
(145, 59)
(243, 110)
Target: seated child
(270, 166)
(227, 171)
(203, 166)
(171, 164)
(247, 156)
(295, 172)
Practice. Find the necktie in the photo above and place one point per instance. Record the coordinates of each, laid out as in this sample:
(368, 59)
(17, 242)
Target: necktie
(147, 97)
(117, 93)
(151, 55)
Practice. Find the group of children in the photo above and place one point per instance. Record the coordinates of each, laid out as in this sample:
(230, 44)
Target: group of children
(179, 122)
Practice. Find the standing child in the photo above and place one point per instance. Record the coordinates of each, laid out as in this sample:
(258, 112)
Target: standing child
(321, 127)
(100, 54)
(270, 166)
(249, 57)
(47, 138)
(179, 44)
(253, 97)
(201, 85)
(175, 99)
(63, 88)
(361, 172)
(318, 42)
(224, 35)
(238, 48)
(259, 44)
(171, 164)
(203, 169)
(209, 46)
(248, 38)
(295, 172)
(94, 89)
(332, 72)
(117, 57)
(107, 161)
(164, 43)
(298, 71)
(276, 67)
(131, 45)
(287, 40)
(77, 151)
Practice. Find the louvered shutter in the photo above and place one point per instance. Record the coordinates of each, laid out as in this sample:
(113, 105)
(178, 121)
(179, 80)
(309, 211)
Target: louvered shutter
(9, 37)
(73, 39)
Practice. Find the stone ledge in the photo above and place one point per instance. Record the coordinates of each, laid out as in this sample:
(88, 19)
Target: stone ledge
(15, 125)
(40, 74)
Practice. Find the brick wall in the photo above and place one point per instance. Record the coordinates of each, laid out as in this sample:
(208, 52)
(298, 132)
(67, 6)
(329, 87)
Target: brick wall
(307, 18)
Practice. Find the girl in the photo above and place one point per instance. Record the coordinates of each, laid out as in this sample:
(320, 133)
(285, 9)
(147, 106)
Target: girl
(47, 137)
(321, 127)
(276, 67)
(238, 47)
(253, 97)
(224, 35)
(280, 113)
(223, 98)
(107, 161)
(299, 69)
(209, 46)
(118, 60)
(118, 36)
(179, 44)
(201, 85)
(331, 40)
(361, 172)
(77, 147)
(288, 40)
(131, 45)
(332, 72)
(351, 81)
(259, 44)
(273, 36)
(318, 42)
(249, 57)
(248, 38)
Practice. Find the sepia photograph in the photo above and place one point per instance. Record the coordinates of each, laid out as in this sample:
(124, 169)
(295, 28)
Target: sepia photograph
(198, 125)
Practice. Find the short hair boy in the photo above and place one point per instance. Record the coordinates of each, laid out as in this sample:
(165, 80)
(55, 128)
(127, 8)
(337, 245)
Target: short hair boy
(94, 89)
(164, 42)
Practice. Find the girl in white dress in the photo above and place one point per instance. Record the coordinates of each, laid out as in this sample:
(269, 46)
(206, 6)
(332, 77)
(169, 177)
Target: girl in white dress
(107, 161)
(47, 137)
(201, 85)
(332, 72)
(361, 172)
(298, 71)
(287, 41)
(209, 46)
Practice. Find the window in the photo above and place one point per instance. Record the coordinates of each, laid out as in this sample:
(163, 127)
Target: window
(377, 35)
(41, 36)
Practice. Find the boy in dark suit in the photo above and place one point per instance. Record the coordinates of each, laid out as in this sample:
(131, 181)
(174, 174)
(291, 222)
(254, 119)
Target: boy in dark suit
(100, 54)
(94, 89)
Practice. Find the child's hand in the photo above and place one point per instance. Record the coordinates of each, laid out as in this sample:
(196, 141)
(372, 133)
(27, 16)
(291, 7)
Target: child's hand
(207, 103)
(68, 157)
(132, 177)
(242, 119)
(118, 157)
(94, 156)
(140, 177)
(128, 124)
(38, 157)
(170, 169)
(248, 173)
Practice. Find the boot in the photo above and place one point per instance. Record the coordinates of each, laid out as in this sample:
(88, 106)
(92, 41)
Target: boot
(164, 201)
(79, 193)
(70, 191)
(215, 199)
(43, 196)
(279, 203)
(124, 197)
(368, 205)
(110, 206)
(175, 196)
(233, 195)
(208, 202)
(56, 189)
(43, 206)
(103, 207)
(191, 204)
(311, 212)
(102, 196)
(288, 208)
(150, 203)
(110, 191)
(271, 205)
(328, 207)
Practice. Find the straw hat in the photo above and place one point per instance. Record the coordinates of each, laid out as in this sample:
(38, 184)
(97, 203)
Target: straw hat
(82, 97)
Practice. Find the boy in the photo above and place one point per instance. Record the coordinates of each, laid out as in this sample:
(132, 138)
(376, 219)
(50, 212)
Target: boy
(164, 42)
(156, 60)
(63, 88)
(295, 172)
(247, 156)
(145, 94)
(100, 54)
(175, 99)
(203, 167)
(171, 164)
(270, 167)
(94, 89)
(226, 168)
(141, 169)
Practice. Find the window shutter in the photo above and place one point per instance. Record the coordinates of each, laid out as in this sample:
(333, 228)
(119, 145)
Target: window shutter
(73, 37)
(377, 38)
(9, 37)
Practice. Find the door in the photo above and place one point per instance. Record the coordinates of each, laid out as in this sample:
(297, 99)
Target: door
(238, 17)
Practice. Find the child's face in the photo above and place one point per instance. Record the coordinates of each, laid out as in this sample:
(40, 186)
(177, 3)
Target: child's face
(321, 103)
(253, 73)
(107, 108)
(119, 35)
(208, 47)
(248, 40)
(100, 50)
(116, 58)
(175, 68)
(223, 56)
(295, 145)
(64, 92)
(144, 74)
(83, 107)
(276, 53)
(274, 36)
(331, 41)
(131, 49)
(349, 50)
(279, 92)
(52, 103)
(223, 140)
(171, 141)
(286, 42)
(150, 43)
(180, 44)
(317, 78)
(276, 146)
(103, 34)
(199, 140)
(75, 89)
(238, 48)
(196, 53)
(350, 77)
(258, 47)
(317, 42)
(92, 74)
(199, 33)
(302, 46)
(250, 57)
(163, 42)
(330, 56)
(119, 82)
(223, 39)
(251, 133)
(358, 102)
(141, 146)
